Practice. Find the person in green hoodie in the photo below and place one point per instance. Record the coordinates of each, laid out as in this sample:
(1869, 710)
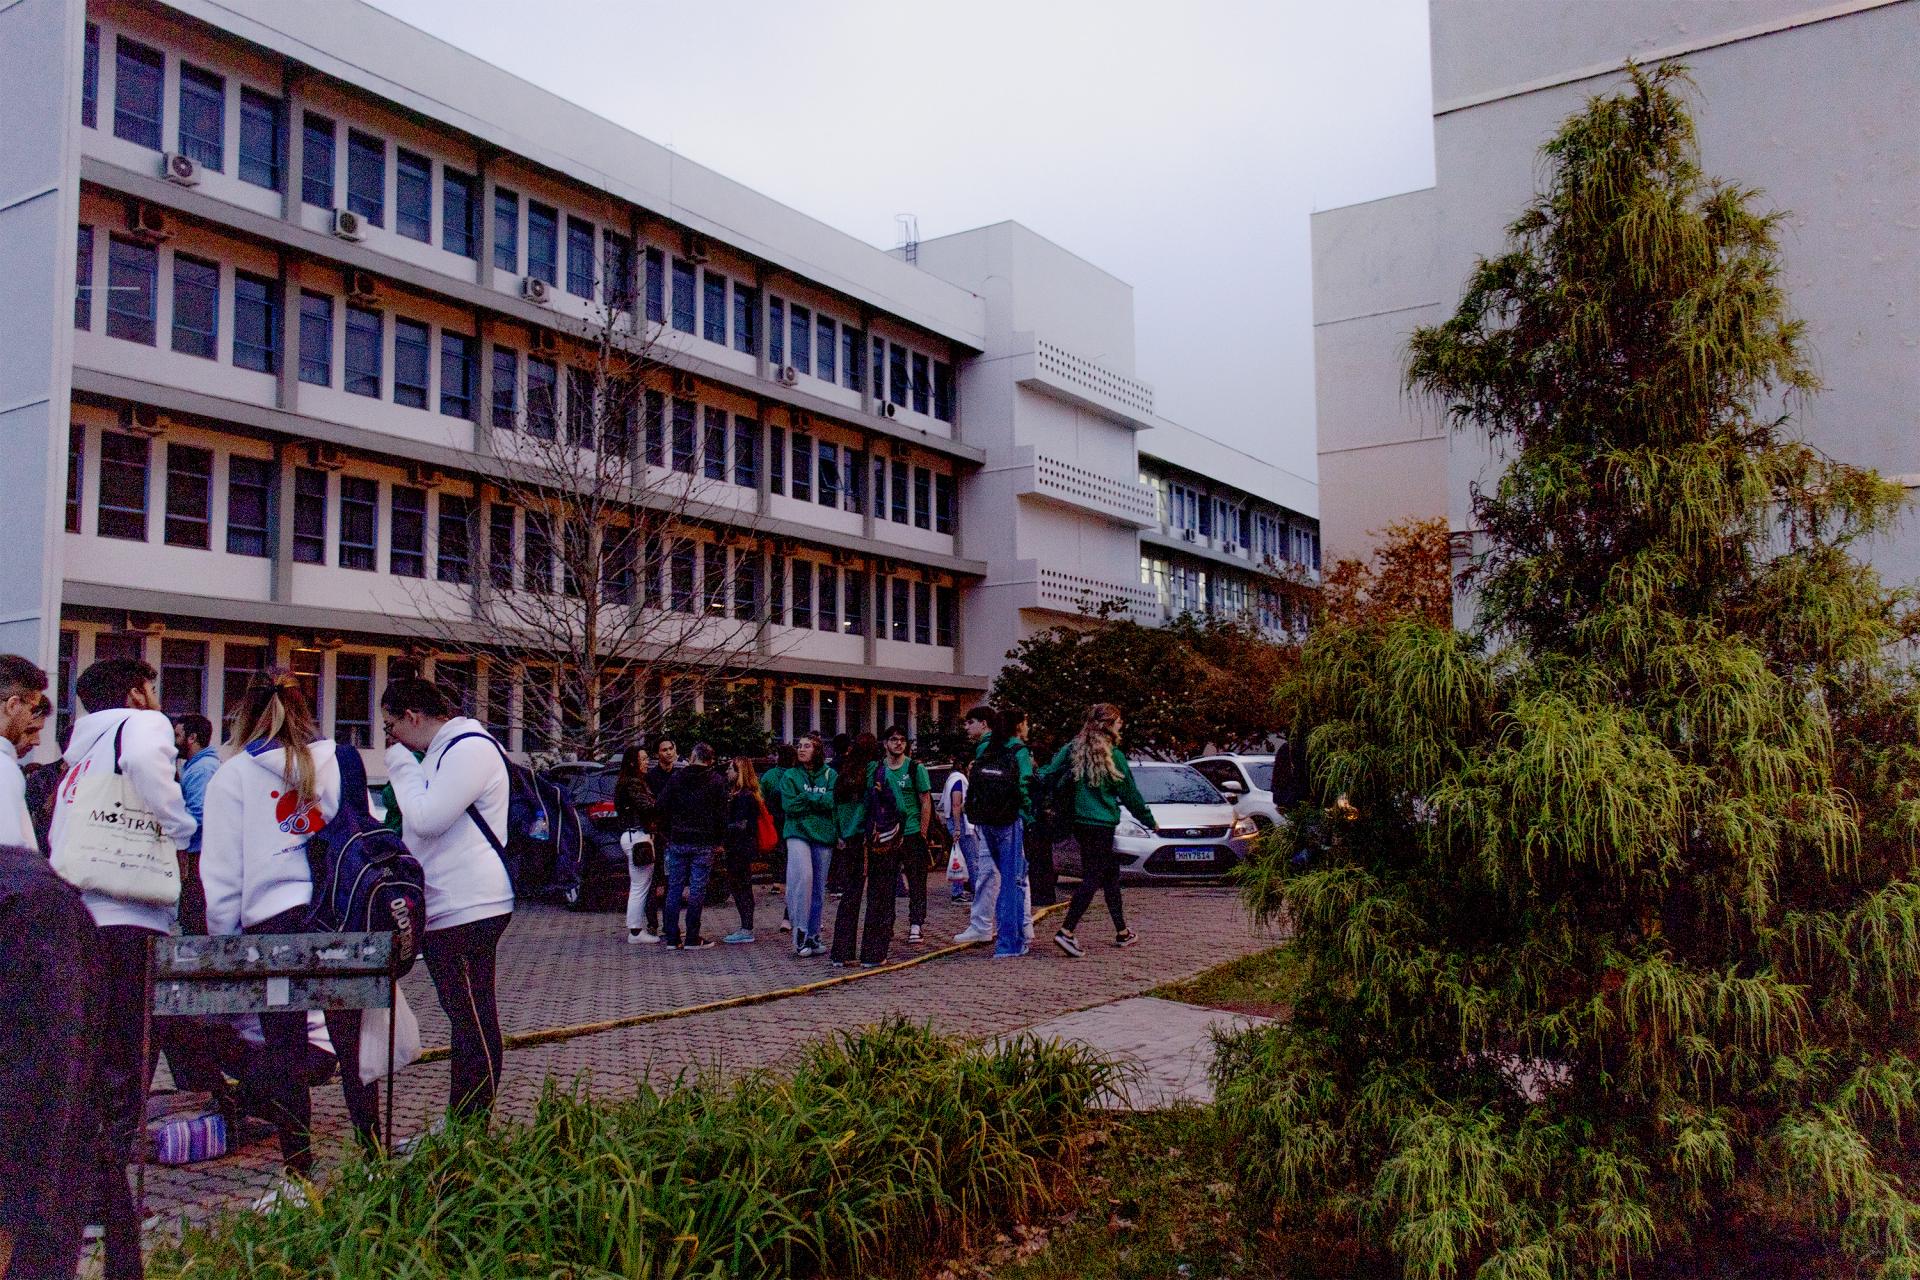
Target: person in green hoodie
(1095, 773)
(807, 812)
(869, 875)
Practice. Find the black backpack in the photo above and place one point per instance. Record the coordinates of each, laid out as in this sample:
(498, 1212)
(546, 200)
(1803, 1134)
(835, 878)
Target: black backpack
(993, 787)
(884, 825)
(544, 839)
(364, 880)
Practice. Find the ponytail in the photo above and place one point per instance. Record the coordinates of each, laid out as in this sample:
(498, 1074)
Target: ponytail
(275, 710)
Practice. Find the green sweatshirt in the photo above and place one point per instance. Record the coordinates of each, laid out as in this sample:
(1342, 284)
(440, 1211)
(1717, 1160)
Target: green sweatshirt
(909, 783)
(1023, 765)
(1099, 806)
(806, 804)
(850, 817)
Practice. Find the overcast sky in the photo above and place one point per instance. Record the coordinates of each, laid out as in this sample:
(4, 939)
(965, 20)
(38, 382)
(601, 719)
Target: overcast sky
(1179, 147)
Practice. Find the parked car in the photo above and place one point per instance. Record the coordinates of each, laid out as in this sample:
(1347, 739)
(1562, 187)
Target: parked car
(1196, 833)
(603, 864)
(1247, 782)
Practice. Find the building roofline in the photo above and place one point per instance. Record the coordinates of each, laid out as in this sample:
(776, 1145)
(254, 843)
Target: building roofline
(1015, 222)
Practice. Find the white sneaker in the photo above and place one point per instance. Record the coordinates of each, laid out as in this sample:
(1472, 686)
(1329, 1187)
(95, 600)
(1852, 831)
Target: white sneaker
(286, 1191)
(971, 934)
(638, 936)
(913, 934)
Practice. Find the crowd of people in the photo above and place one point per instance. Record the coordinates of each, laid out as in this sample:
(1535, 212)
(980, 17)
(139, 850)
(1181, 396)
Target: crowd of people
(146, 828)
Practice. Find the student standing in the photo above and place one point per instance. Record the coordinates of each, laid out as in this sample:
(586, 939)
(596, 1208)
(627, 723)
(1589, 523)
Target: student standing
(1099, 783)
(913, 792)
(1002, 802)
(22, 688)
(870, 875)
(745, 809)
(635, 807)
(986, 877)
(122, 732)
(459, 782)
(263, 805)
(693, 816)
(806, 802)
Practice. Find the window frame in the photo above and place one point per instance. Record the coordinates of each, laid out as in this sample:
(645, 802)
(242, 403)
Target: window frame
(116, 519)
(459, 374)
(250, 164)
(412, 345)
(365, 150)
(406, 531)
(359, 503)
(263, 310)
(310, 517)
(317, 179)
(543, 234)
(582, 259)
(186, 338)
(187, 510)
(266, 486)
(412, 195)
(142, 128)
(506, 230)
(125, 255)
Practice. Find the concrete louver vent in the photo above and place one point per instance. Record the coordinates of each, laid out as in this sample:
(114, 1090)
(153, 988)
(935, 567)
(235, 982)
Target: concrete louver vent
(1093, 377)
(1074, 591)
(1125, 498)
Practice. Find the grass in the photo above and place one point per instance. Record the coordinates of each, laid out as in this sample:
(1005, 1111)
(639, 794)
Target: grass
(1264, 983)
(883, 1146)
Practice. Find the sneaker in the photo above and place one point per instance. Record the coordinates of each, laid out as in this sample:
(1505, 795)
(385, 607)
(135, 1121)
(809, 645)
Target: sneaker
(971, 934)
(871, 964)
(913, 935)
(637, 936)
(285, 1191)
(1125, 938)
(837, 964)
(738, 936)
(1065, 941)
(786, 924)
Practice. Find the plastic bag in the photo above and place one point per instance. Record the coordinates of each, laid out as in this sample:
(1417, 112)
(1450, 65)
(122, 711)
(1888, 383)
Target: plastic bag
(957, 865)
(373, 1039)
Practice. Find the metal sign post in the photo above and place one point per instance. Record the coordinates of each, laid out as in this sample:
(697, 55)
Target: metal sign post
(268, 973)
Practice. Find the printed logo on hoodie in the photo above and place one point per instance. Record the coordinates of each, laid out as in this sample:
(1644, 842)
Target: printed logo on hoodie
(294, 817)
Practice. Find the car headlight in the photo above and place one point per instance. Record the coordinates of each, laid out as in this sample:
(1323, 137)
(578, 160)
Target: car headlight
(1245, 827)
(1130, 826)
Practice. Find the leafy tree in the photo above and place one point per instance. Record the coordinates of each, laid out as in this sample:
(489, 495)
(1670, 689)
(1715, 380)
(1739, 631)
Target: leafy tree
(1410, 573)
(733, 723)
(1613, 966)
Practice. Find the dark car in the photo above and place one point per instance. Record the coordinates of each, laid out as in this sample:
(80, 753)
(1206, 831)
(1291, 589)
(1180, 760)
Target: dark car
(603, 866)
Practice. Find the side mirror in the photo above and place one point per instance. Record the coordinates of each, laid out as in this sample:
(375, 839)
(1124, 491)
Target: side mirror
(1234, 787)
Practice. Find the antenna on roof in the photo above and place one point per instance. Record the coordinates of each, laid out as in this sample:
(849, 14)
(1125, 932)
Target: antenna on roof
(909, 235)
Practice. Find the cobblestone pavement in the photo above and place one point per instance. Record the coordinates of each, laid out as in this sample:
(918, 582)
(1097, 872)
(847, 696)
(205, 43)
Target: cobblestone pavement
(559, 969)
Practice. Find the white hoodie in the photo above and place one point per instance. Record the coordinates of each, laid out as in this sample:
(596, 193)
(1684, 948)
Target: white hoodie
(146, 756)
(16, 825)
(253, 840)
(466, 881)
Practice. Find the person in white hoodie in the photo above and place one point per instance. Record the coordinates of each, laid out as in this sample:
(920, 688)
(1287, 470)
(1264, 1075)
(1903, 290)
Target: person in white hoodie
(264, 803)
(459, 782)
(121, 712)
(22, 693)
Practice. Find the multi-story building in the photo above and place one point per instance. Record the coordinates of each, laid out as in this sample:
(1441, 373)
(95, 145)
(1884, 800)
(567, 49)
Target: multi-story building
(328, 271)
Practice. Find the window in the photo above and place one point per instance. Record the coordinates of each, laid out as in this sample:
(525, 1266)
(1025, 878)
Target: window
(407, 554)
(133, 272)
(746, 318)
(802, 574)
(76, 473)
(683, 436)
(506, 230)
(922, 384)
(616, 563)
(829, 598)
(746, 453)
(250, 485)
(943, 603)
(746, 586)
(802, 466)
(459, 372)
(856, 481)
(499, 545)
(943, 391)
(829, 486)
(123, 487)
(856, 619)
(543, 242)
(90, 89)
(897, 491)
(850, 357)
(802, 712)
(203, 117)
(183, 677)
(316, 338)
(656, 286)
(413, 196)
(655, 426)
(713, 444)
(680, 588)
(543, 388)
(683, 296)
(898, 619)
(363, 351)
(239, 663)
(256, 323)
(83, 279)
(776, 589)
(879, 488)
(580, 262)
(137, 78)
(506, 383)
(580, 421)
(260, 156)
(777, 459)
(359, 521)
(196, 307)
(412, 354)
(897, 374)
(801, 332)
(943, 503)
(189, 496)
(923, 612)
(776, 333)
(713, 313)
(309, 516)
(316, 160)
(367, 176)
(499, 706)
(879, 369)
(823, 334)
(713, 571)
(353, 699)
(618, 254)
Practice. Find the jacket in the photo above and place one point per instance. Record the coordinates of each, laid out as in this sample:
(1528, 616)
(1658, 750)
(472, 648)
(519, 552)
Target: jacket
(1099, 806)
(194, 777)
(693, 807)
(850, 816)
(466, 881)
(253, 849)
(806, 804)
(16, 823)
(743, 826)
(147, 754)
(1023, 768)
(914, 775)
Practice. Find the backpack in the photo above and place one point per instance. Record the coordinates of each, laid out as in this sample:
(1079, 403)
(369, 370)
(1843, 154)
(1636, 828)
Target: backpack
(364, 880)
(544, 842)
(885, 828)
(993, 788)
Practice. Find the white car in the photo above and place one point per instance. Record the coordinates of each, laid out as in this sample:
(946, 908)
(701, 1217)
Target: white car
(1247, 781)
(1196, 833)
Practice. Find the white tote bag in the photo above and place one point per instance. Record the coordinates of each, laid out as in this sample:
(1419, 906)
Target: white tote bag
(373, 1039)
(112, 843)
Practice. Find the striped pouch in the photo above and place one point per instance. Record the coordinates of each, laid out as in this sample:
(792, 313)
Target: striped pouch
(189, 1139)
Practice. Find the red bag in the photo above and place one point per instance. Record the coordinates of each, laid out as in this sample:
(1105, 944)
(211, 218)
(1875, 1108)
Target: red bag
(768, 835)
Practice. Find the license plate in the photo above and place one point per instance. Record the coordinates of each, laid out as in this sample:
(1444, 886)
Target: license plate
(1193, 855)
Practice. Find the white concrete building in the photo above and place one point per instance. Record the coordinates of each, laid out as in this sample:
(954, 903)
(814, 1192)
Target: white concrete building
(257, 408)
(1813, 103)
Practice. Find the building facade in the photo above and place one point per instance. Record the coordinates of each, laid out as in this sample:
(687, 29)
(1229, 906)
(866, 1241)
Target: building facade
(288, 292)
(1812, 103)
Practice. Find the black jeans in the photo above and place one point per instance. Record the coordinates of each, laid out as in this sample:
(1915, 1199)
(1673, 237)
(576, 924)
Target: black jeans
(1043, 883)
(290, 1103)
(1099, 872)
(914, 864)
(740, 882)
(461, 962)
(118, 1088)
(869, 878)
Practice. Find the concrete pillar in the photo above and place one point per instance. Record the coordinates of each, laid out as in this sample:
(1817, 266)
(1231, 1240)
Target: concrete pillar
(280, 572)
(286, 390)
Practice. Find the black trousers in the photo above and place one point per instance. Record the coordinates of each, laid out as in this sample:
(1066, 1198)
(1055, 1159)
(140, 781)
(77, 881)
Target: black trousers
(869, 882)
(118, 1088)
(740, 882)
(914, 864)
(1099, 873)
(1043, 882)
(461, 962)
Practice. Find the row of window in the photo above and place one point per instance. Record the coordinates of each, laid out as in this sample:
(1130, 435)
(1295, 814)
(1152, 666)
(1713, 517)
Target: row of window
(133, 302)
(139, 89)
(1192, 509)
(1186, 588)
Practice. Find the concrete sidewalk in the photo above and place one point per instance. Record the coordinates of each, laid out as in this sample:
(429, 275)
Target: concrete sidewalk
(1166, 1046)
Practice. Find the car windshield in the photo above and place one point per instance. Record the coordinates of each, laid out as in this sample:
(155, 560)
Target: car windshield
(1261, 771)
(1175, 784)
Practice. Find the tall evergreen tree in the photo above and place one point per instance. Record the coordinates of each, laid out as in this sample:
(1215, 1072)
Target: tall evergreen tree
(1614, 967)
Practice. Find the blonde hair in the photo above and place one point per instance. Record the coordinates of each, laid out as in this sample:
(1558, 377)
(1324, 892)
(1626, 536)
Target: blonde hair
(276, 710)
(745, 776)
(1092, 749)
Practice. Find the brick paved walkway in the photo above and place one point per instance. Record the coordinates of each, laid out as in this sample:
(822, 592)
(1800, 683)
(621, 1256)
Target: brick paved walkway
(561, 969)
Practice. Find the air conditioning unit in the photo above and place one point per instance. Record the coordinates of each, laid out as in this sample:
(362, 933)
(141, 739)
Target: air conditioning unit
(146, 624)
(146, 222)
(347, 225)
(788, 376)
(327, 457)
(800, 420)
(695, 247)
(1231, 548)
(682, 384)
(536, 291)
(543, 342)
(142, 420)
(422, 476)
(888, 409)
(361, 285)
(1189, 535)
(175, 167)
